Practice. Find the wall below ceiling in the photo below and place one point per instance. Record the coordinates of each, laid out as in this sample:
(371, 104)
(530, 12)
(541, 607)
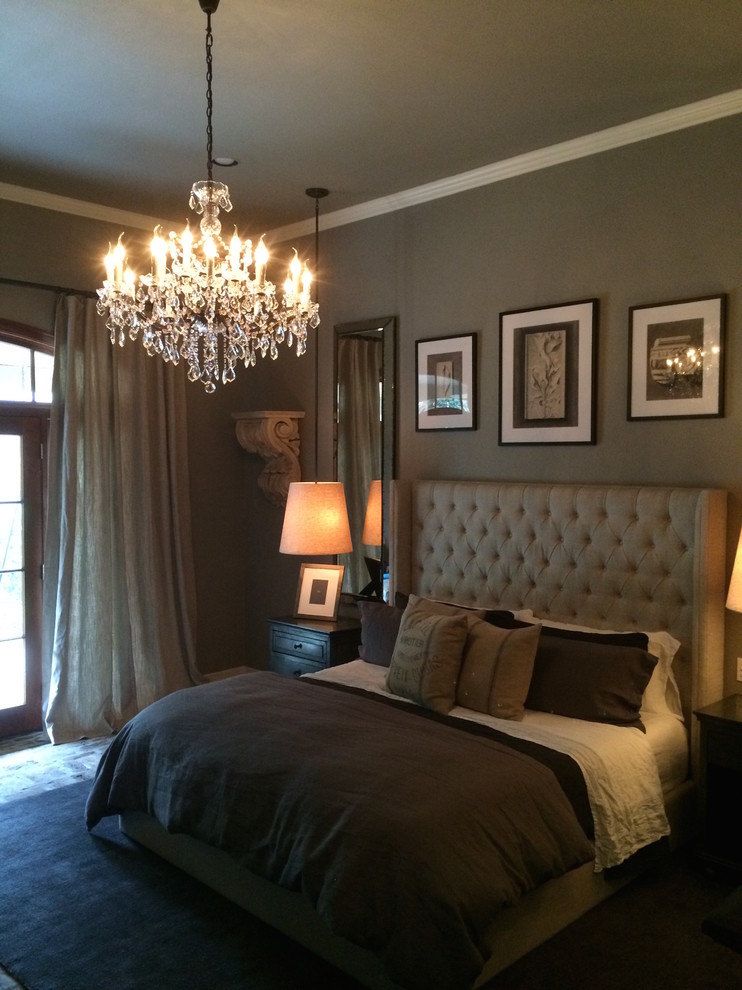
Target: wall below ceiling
(651, 222)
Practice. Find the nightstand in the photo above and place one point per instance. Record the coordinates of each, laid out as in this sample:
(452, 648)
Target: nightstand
(721, 781)
(304, 646)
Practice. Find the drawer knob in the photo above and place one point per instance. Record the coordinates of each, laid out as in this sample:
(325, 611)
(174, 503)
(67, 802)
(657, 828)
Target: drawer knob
(298, 646)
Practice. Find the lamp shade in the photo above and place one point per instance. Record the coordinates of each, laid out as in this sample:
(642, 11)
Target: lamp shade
(372, 524)
(316, 519)
(734, 597)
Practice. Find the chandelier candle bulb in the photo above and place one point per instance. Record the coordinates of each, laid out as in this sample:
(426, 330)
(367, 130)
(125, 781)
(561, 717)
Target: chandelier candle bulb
(119, 256)
(295, 273)
(261, 260)
(159, 253)
(187, 242)
(109, 265)
(235, 249)
(306, 282)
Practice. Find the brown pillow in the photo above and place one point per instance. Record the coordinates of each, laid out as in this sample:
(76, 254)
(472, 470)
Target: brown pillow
(426, 659)
(582, 679)
(496, 669)
(379, 628)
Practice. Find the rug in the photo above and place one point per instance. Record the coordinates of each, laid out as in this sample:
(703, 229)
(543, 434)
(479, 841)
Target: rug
(82, 911)
(86, 911)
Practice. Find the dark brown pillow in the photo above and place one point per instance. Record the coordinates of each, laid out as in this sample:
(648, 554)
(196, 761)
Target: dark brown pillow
(598, 682)
(496, 670)
(427, 657)
(639, 639)
(379, 628)
(497, 616)
(435, 607)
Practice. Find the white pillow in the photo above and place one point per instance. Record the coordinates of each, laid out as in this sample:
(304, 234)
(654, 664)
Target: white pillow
(662, 695)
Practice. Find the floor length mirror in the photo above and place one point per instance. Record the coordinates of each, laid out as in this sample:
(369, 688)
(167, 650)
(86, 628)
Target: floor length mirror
(365, 432)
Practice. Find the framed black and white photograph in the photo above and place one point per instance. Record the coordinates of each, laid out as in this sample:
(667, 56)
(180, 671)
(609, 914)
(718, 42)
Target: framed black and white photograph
(318, 595)
(676, 359)
(547, 374)
(446, 369)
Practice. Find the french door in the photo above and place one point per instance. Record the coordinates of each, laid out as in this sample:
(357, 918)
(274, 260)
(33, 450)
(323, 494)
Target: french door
(21, 548)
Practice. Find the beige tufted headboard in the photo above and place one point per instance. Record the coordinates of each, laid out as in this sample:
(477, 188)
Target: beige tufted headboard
(605, 556)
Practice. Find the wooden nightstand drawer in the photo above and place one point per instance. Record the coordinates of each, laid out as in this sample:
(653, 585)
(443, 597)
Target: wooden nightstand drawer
(299, 645)
(721, 781)
(724, 748)
(293, 666)
(305, 646)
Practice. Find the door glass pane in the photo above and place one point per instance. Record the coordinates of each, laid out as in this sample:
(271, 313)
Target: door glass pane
(43, 367)
(11, 605)
(10, 467)
(11, 536)
(12, 673)
(15, 373)
(12, 628)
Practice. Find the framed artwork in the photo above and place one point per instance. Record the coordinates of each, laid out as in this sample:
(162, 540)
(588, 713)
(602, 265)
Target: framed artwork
(446, 370)
(318, 594)
(676, 359)
(547, 374)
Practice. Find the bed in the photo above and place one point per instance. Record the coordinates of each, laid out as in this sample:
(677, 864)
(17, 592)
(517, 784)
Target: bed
(531, 562)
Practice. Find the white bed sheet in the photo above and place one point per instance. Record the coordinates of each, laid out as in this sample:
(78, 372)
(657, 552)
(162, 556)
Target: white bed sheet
(621, 770)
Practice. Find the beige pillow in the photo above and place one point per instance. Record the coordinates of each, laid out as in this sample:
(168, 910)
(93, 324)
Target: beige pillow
(496, 669)
(427, 657)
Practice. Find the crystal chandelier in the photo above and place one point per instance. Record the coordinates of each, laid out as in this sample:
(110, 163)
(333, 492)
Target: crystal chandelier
(202, 295)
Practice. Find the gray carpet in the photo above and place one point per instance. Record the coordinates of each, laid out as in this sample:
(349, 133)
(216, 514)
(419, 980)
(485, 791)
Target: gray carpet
(82, 911)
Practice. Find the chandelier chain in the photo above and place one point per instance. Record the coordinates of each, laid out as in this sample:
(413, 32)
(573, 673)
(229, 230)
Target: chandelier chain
(209, 98)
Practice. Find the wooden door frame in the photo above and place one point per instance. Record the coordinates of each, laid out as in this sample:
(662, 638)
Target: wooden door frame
(31, 423)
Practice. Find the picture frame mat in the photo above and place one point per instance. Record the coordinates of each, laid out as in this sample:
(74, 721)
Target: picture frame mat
(427, 350)
(318, 592)
(710, 309)
(584, 314)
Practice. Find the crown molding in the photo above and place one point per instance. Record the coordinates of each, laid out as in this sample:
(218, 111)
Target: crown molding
(80, 207)
(643, 129)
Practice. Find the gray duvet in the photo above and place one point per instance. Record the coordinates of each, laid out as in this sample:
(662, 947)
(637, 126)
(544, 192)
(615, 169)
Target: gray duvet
(407, 832)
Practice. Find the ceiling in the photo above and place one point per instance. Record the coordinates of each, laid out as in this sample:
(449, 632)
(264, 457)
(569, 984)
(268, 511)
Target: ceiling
(103, 101)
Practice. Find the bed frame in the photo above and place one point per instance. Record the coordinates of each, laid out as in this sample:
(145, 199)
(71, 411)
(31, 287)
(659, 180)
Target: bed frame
(605, 556)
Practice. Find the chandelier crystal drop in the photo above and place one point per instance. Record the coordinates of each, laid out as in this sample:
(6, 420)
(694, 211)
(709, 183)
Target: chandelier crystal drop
(205, 301)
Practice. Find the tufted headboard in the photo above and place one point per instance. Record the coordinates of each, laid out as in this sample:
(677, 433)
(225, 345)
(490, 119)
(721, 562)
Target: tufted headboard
(618, 557)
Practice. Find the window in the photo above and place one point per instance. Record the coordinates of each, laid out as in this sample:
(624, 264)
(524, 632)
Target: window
(26, 363)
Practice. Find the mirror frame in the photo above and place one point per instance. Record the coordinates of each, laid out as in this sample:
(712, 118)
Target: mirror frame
(388, 327)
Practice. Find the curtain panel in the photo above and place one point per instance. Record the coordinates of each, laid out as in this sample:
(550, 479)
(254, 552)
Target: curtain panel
(119, 592)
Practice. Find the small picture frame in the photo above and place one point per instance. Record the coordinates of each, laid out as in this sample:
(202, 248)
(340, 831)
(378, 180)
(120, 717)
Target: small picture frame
(318, 594)
(547, 374)
(445, 369)
(676, 359)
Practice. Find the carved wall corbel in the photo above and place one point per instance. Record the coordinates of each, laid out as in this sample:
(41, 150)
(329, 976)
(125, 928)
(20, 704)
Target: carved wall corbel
(274, 436)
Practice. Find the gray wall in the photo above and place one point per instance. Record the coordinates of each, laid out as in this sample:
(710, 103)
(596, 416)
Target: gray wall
(652, 222)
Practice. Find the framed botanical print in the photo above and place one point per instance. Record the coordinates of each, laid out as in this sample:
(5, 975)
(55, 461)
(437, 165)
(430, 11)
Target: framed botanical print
(445, 369)
(547, 374)
(676, 359)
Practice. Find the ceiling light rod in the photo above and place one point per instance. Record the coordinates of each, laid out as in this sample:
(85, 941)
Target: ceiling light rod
(317, 193)
(205, 301)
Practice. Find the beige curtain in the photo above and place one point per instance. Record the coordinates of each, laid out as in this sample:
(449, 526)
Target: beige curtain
(359, 442)
(119, 596)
